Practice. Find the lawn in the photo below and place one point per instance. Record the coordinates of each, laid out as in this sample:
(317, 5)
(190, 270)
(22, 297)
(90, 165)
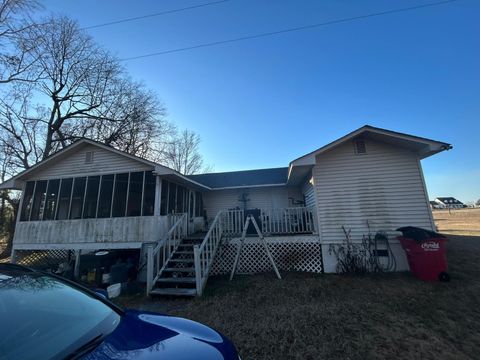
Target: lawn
(306, 316)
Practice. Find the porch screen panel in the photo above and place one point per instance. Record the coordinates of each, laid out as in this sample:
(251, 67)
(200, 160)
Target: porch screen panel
(51, 201)
(180, 196)
(149, 193)
(105, 200)
(134, 207)
(198, 204)
(120, 195)
(172, 195)
(27, 201)
(64, 199)
(78, 194)
(39, 200)
(91, 196)
(164, 198)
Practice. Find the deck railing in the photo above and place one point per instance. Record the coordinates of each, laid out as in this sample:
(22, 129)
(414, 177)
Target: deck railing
(293, 220)
(233, 221)
(159, 254)
(204, 253)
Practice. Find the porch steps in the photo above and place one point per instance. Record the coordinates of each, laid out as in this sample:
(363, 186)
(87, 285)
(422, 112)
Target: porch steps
(180, 269)
(180, 264)
(185, 261)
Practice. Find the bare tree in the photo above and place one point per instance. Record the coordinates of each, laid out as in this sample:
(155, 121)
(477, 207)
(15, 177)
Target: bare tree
(20, 135)
(17, 59)
(139, 126)
(183, 154)
(75, 82)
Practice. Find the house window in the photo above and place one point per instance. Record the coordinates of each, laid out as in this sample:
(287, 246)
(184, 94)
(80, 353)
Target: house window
(360, 147)
(91, 197)
(149, 193)
(64, 199)
(120, 195)
(39, 200)
(27, 201)
(164, 198)
(134, 207)
(105, 199)
(78, 193)
(51, 200)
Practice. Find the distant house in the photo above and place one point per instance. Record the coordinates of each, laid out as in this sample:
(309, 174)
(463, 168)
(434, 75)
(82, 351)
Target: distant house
(436, 205)
(90, 197)
(449, 203)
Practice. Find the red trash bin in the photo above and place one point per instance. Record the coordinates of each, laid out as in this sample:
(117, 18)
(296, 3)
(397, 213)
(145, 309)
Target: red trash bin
(427, 258)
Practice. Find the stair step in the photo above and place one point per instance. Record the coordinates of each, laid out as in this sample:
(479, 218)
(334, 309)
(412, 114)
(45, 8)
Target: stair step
(174, 292)
(187, 270)
(183, 252)
(191, 242)
(182, 260)
(189, 280)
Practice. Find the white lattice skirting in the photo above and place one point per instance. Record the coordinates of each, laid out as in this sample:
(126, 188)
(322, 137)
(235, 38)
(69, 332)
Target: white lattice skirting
(291, 253)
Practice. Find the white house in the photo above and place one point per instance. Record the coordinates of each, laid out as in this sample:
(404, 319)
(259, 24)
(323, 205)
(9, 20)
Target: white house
(449, 202)
(90, 197)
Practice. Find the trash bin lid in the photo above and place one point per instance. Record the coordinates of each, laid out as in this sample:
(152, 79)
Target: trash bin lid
(419, 234)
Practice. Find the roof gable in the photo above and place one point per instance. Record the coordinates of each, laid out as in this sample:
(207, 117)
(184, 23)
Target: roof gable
(426, 147)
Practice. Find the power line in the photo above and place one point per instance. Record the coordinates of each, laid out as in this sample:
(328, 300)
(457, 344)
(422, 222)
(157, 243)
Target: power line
(154, 14)
(299, 28)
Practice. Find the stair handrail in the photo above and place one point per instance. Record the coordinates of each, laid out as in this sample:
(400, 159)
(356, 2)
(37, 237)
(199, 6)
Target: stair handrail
(204, 253)
(165, 246)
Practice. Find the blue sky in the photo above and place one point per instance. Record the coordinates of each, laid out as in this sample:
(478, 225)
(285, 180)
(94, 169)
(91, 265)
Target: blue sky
(263, 102)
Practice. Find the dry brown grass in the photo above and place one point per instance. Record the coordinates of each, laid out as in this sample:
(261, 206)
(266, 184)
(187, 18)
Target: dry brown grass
(306, 316)
(458, 222)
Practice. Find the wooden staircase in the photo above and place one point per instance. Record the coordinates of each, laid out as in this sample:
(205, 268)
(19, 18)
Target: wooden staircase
(179, 264)
(178, 275)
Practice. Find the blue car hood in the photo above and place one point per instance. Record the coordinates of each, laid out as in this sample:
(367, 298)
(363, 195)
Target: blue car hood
(144, 335)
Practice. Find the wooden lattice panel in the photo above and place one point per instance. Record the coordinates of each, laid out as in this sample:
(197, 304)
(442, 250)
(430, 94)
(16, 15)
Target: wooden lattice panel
(42, 258)
(289, 255)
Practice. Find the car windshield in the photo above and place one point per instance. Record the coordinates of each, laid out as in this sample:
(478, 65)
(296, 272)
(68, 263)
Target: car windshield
(43, 317)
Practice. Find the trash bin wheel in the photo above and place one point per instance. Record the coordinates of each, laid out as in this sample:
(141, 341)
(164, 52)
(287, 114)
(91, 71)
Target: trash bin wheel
(444, 277)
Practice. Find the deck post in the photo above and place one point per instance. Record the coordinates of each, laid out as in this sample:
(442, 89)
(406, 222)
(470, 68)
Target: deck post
(150, 267)
(76, 269)
(13, 256)
(158, 196)
(198, 273)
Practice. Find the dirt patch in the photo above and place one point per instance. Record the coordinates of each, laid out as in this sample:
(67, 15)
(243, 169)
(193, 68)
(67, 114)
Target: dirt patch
(458, 221)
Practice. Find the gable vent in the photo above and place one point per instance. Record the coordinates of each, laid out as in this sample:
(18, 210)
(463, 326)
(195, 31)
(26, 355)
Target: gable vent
(360, 147)
(89, 157)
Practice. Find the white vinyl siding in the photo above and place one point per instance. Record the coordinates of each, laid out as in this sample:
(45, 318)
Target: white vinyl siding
(103, 162)
(309, 194)
(384, 186)
(260, 198)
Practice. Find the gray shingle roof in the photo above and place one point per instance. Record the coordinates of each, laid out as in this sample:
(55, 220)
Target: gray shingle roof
(242, 178)
(449, 200)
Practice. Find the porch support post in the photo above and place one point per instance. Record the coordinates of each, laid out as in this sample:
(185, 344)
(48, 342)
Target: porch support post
(150, 269)
(158, 195)
(76, 270)
(13, 256)
(198, 271)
